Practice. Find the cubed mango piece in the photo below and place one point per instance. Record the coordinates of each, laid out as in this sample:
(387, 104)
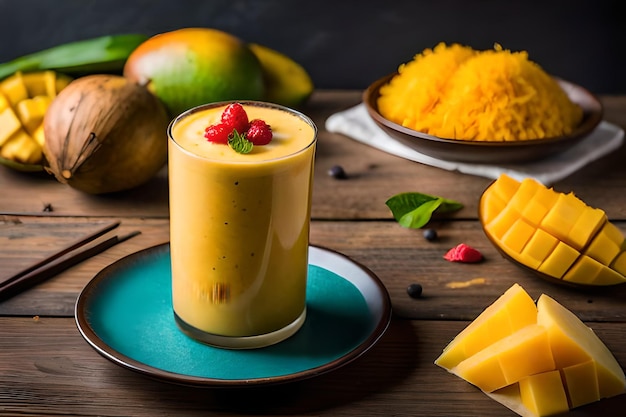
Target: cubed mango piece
(40, 83)
(14, 89)
(613, 233)
(505, 187)
(21, 148)
(583, 271)
(491, 206)
(502, 222)
(32, 111)
(590, 221)
(9, 124)
(542, 202)
(608, 276)
(518, 235)
(619, 263)
(525, 192)
(543, 393)
(581, 383)
(559, 261)
(564, 214)
(4, 103)
(587, 270)
(604, 247)
(39, 135)
(540, 245)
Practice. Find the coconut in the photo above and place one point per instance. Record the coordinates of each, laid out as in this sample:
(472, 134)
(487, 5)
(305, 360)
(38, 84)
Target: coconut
(105, 133)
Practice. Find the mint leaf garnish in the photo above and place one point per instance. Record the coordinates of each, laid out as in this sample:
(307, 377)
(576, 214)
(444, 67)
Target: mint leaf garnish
(239, 143)
(414, 210)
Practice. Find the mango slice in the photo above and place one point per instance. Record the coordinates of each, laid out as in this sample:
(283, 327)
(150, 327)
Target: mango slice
(548, 366)
(512, 311)
(554, 233)
(24, 100)
(526, 352)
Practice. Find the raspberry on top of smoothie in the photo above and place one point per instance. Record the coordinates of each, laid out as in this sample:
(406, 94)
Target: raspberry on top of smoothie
(237, 131)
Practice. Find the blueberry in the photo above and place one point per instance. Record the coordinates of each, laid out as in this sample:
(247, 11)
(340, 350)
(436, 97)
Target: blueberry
(337, 172)
(430, 234)
(414, 290)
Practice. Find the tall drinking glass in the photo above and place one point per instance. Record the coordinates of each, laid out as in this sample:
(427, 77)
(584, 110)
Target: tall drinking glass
(239, 228)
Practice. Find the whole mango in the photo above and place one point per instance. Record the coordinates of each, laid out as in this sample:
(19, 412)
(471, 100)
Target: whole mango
(188, 67)
(286, 81)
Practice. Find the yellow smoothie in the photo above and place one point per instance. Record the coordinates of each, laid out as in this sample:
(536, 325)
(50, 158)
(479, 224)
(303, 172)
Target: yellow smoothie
(239, 227)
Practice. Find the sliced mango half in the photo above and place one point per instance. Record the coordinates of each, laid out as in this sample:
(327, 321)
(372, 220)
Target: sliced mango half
(551, 364)
(553, 233)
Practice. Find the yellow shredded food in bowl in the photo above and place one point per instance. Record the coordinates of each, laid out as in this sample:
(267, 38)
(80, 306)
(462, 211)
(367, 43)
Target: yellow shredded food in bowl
(457, 92)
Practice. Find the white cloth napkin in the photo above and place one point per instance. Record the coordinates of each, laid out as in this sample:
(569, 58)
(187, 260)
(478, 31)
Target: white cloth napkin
(357, 124)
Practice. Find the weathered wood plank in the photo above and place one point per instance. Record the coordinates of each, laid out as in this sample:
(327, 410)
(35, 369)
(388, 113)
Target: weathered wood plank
(396, 255)
(73, 379)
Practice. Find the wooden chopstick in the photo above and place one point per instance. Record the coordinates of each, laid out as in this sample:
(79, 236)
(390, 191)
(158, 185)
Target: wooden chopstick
(59, 263)
(81, 242)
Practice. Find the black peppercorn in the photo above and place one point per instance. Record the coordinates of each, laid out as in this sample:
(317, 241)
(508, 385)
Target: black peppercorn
(414, 290)
(430, 234)
(337, 172)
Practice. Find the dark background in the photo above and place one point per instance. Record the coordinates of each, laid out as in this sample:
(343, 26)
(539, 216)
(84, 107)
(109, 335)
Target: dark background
(348, 44)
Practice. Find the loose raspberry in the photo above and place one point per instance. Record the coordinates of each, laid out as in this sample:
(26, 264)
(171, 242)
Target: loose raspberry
(218, 133)
(463, 253)
(259, 133)
(235, 115)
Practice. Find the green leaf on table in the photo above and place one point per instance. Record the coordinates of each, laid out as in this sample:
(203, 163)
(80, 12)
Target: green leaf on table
(414, 210)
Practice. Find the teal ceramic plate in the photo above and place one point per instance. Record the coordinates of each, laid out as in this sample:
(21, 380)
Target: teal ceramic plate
(125, 314)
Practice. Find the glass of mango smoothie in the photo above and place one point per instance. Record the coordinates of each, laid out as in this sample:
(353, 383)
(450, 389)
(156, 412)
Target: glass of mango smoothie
(239, 227)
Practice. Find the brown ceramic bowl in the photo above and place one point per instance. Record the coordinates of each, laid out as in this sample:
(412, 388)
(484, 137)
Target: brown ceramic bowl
(495, 152)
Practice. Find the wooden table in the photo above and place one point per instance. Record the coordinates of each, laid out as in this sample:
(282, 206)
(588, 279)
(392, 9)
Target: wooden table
(47, 368)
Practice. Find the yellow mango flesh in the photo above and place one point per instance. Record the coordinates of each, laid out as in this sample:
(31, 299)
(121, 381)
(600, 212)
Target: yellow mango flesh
(548, 366)
(544, 394)
(574, 343)
(619, 264)
(41, 83)
(507, 361)
(21, 148)
(512, 311)
(14, 89)
(554, 233)
(32, 110)
(24, 100)
(581, 383)
(9, 124)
